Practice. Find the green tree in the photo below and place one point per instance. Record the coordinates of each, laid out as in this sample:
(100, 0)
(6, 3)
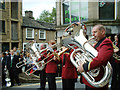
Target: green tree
(46, 16)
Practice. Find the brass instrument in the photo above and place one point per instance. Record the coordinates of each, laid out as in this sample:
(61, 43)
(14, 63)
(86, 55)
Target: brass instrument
(41, 64)
(116, 49)
(34, 54)
(85, 52)
(24, 62)
(21, 63)
(32, 48)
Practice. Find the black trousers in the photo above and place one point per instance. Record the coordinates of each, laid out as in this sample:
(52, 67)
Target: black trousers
(51, 81)
(68, 84)
(3, 78)
(42, 79)
(115, 84)
(14, 76)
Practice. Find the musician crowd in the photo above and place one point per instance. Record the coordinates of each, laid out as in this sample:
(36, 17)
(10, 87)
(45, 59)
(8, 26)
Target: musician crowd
(69, 73)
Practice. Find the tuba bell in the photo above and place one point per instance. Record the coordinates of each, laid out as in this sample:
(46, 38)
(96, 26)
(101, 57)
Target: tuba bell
(86, 53)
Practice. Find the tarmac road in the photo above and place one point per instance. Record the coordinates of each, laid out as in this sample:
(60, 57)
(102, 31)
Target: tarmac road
(36, 86)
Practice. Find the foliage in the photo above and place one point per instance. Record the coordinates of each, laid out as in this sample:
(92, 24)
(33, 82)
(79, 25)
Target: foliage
(46, 16)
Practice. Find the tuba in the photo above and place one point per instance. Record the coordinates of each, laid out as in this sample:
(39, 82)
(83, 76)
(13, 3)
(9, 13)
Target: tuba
(85, 53)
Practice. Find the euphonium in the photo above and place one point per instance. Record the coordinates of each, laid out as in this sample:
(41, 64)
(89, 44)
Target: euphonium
(85, 52)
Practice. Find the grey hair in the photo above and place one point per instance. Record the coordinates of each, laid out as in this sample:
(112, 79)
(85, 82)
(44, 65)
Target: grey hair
(100, 27)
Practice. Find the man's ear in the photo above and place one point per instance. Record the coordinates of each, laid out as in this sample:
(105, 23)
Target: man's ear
(103, 32)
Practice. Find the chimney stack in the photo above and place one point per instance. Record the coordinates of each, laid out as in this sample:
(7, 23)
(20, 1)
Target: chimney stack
(29, 14)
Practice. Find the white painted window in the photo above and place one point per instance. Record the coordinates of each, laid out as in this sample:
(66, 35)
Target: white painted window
(42, 34)
(30, 33)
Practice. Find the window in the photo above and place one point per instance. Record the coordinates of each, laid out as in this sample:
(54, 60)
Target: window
(74, 11)
(106, 10)
(30, 33)
(14, 30)
(66, 16)
(42, 34)
(2, 4)
(2, 26)
(14, 9)
(83, 11)
(5, 46)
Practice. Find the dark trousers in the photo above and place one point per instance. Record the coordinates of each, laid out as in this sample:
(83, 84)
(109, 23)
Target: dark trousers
(42, 79)
(51, 81)
(115, 84)
(3, 78)
(68, 84)
(14, 76)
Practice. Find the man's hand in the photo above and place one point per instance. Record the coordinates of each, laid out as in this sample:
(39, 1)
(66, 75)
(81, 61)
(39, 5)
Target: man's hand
(55, 58)
(116, 50)
(80, 67)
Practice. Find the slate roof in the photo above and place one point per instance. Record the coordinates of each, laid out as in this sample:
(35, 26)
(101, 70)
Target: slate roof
(31, 23)
(48, 25)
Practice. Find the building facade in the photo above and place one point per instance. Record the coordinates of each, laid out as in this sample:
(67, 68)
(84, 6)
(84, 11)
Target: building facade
(89, 12)
(41, 32)
(16, 30)
(10, 25)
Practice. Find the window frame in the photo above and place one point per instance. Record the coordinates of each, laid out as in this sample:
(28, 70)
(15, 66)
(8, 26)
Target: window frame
(44, 34)
(114, 14)
(79, 17)
(32, 33)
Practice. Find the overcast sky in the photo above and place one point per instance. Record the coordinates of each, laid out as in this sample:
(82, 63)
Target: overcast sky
(37, 6)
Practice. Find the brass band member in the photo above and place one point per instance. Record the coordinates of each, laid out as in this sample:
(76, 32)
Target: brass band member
(105, 52)
(116, 66)
(51, 68)
(42, 73)
(69, 72)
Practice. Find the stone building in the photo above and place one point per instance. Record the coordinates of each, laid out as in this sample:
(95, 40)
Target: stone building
(10, 25)
(16, 30)
(89, 12)
(32, 29)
